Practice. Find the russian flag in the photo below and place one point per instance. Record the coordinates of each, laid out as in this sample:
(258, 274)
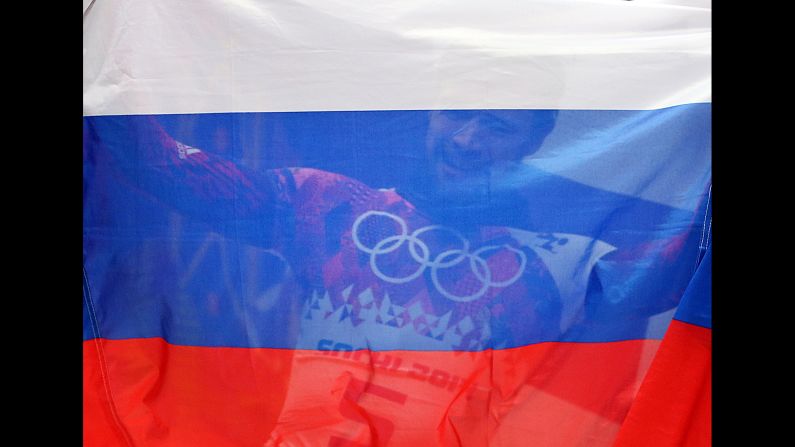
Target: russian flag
(331, 223)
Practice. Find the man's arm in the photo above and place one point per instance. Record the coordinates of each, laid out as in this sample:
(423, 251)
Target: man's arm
(199, 184)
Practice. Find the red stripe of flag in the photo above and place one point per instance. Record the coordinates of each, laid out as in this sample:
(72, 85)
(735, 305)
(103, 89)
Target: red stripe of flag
(546, 394)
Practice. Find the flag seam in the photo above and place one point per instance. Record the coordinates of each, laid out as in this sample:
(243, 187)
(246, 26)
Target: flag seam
(702, 246)
(101, 357)
(709, 234)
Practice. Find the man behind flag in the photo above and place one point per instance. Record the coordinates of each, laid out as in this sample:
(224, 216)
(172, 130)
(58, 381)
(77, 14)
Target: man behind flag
(396, 223)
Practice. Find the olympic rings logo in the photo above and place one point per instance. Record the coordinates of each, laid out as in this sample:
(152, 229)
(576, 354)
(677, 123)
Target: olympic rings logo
(420, 252)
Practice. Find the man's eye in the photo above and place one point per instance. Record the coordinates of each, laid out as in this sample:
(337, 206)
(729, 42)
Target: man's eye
(499, 127)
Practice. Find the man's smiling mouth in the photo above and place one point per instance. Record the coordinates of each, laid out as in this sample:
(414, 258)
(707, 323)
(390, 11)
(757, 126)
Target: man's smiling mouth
(461, 164)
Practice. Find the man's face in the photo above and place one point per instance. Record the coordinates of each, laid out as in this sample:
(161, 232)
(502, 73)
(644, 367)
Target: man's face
(466, 147)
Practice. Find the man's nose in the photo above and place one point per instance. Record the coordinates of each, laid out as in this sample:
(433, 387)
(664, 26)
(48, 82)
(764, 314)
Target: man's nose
(469, 137)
